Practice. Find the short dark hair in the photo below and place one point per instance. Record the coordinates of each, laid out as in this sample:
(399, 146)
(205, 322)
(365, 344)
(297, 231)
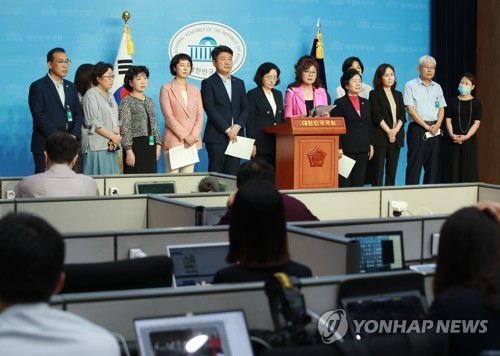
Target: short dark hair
(349, 62)
(469, 76)
(257, 231)
(100, 68)
(379, 73)
(255, 168)
(83, 77)
(133, 72)
(469, 254)
(50, 54)
(263, 69)
(219, 49)
(61, 147)
(303, 64)
(347, 76)
(177, 58)
(31, 259)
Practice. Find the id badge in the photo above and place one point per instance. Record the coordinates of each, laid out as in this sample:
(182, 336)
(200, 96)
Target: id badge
(151, 140)
(437, 103)
(70, 116)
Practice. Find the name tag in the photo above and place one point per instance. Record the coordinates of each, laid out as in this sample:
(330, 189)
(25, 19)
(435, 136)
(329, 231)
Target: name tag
(151, 140)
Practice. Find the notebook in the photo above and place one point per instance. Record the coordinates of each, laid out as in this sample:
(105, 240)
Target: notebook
(160, 187)
(214, 333)
(380, 251)
(196, 263)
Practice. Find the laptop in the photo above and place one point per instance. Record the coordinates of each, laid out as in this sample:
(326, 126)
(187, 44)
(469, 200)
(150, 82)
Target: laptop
(159, 187)
(380, 251)
(196, 263)
(214, 333)
(400, 305)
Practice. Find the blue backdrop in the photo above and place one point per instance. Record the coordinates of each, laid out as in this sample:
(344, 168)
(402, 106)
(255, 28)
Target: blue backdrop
(280, 31)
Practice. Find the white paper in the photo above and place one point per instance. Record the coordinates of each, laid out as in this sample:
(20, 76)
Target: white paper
(181, 156)
(242, 148)
(320, 109)
(345, 166)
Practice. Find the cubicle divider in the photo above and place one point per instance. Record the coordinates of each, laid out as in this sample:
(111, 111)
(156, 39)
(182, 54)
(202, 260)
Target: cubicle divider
(417, 231)
(124, 184)
(488, 192)
(7, 206)
(117, 310)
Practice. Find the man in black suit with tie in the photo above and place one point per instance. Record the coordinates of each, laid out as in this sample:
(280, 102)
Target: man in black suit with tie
(54, 106)
(226, 105)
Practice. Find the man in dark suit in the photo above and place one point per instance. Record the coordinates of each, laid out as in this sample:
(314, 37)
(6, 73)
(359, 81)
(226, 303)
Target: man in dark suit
(226, 105)
(54, 106)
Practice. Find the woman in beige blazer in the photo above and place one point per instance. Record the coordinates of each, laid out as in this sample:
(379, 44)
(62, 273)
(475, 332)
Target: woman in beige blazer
(182, 110)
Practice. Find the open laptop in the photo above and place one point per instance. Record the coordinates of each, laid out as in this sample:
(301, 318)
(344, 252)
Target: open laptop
(196, 263)
(157, 187)
(380, 251)
(214, 333)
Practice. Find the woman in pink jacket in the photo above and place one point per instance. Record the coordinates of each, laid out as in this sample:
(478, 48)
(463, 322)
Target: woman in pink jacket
(303, 95)
(182, 110)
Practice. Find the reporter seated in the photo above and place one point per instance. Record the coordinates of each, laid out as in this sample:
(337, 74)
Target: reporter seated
(138, 273)
(59, 180)
(256, 168)
(258, 242)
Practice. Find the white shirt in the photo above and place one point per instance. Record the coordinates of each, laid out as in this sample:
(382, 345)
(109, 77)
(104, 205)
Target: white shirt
(37, 329)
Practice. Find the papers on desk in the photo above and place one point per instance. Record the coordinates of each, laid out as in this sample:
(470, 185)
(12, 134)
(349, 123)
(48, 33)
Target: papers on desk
(345, 166)
(181, 156)
(242, 148)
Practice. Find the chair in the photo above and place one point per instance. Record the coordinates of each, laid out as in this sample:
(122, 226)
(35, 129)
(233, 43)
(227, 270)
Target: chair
(139, 273)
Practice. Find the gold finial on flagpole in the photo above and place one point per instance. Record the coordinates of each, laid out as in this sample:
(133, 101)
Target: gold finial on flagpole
(320, 53)
(126, 16)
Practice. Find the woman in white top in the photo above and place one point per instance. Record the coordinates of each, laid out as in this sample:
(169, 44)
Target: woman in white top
(354, 62)
(182, 110)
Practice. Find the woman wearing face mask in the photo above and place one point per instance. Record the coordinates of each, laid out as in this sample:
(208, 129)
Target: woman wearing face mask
(463, 117)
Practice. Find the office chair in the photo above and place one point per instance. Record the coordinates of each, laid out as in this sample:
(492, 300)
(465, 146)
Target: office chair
(146, 272)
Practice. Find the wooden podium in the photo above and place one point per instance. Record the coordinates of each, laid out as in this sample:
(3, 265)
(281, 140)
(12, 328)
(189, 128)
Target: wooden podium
(307, 152)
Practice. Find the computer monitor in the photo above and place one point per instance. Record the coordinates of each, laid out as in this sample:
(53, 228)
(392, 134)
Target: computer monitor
(160, 187)
(196, 263)
(214, 333)
(380, 251)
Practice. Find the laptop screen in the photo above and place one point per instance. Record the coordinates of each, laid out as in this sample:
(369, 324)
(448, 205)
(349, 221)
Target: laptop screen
(214, 333)
(404, 305)
(161, 187)
(196, 263)
(380, 251)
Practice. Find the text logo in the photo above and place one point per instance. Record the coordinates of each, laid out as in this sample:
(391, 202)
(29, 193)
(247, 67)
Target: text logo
(332, 326)
(200, 38)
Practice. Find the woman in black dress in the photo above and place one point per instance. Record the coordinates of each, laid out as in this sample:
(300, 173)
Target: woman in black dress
(463, 117)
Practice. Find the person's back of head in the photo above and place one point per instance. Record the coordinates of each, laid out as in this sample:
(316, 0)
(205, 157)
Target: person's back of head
(31, 259)
(61, 147)
(255, 168)
(257, 231)
(468, 251)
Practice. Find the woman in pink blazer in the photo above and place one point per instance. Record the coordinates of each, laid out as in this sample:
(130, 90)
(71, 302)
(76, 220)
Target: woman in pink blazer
(182, 110)
(303, 95)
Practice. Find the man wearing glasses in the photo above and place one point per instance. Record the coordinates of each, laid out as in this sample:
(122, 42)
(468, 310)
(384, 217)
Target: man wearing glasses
(425, 105)
(54, 105)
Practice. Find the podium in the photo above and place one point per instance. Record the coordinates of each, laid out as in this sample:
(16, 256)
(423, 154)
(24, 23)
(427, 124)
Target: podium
(307, 152)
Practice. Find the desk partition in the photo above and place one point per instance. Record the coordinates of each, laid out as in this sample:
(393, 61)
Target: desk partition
(116, 310)
(9, 183)
(7, 206)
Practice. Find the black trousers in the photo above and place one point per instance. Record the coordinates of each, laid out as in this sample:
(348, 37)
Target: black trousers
(220, 162)
(422, 154)
(387, 156)
(358, 173)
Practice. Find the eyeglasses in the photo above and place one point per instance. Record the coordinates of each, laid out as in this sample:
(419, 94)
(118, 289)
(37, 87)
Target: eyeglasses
(108, 76)
(310, 72)
(63, 62)
(429, 68)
